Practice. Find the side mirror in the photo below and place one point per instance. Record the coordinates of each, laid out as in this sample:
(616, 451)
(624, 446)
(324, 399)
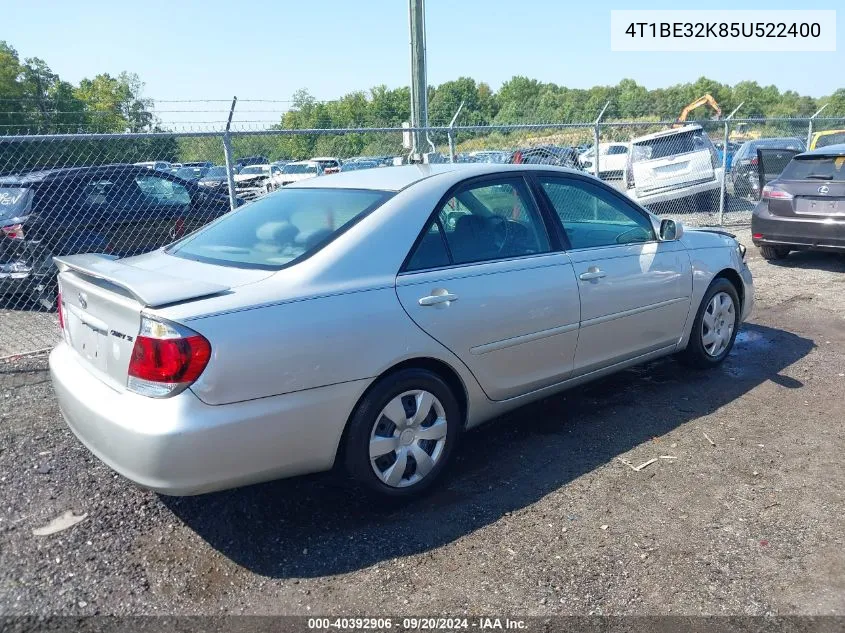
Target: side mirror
(671, 230)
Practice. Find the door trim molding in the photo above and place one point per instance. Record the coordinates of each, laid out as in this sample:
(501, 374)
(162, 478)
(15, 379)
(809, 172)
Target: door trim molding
(620, 315)
(519, 340)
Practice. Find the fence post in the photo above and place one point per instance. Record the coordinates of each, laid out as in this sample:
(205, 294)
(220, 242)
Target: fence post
(723, 189)
(451, 134)
(596, 136)
(810, 124)
(227, 155)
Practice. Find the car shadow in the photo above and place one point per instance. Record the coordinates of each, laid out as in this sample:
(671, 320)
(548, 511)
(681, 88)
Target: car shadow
(312, 526)
(816, 260)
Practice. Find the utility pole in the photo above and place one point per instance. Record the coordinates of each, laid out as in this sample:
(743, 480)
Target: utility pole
(419, 84)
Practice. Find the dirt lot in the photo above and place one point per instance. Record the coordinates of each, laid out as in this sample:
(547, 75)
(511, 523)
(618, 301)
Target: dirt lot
(540, 516)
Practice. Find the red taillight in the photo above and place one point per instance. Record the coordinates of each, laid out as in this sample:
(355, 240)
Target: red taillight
(753, 161)
(60, 311)
(517, 158)
(13, 231)
(757, 236)
(166, 359)
(773, 193)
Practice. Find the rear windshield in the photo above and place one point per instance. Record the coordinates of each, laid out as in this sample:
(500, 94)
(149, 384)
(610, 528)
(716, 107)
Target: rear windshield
(830, 139)
(815, 168)
(14, 202)
(279, 229)
(671, 145)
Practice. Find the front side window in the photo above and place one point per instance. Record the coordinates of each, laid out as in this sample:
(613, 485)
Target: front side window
(593, 218)
(484, 222)
(280, 229)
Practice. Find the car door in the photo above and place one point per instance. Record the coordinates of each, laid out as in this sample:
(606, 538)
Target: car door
(488, 281)
(634, 289)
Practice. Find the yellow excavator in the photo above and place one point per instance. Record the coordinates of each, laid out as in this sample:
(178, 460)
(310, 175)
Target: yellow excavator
(705, 100)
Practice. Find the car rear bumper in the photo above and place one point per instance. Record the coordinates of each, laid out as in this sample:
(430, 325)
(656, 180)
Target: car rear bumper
(646, 198)
(182, 446)
(798, 232)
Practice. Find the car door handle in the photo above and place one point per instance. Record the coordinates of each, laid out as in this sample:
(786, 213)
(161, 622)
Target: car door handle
(438, 298)
(592, 274)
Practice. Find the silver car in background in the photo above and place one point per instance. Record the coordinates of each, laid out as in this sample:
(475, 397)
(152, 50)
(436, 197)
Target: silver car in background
(370, 317)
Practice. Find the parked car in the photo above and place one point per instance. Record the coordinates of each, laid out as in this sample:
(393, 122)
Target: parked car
(827, 137)
(115, 209)
(804, 207)
(676, 164)
(490, 156)
(349, 318)
(158, 165)
(200, 163)
(215, 178)
(546, 155)
(296, 171)
(328, 164)
(247, 161)
(359, 164)
(742, 180)
(190, 173)
(613, 158)
(732, 148)
(253, 181)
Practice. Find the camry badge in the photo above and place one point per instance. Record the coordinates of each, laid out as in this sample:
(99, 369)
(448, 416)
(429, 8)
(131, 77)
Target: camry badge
(824, 189)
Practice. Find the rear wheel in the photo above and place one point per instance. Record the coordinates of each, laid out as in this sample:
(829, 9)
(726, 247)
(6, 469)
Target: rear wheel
(715, 326)
(402, 434)
(774, 252)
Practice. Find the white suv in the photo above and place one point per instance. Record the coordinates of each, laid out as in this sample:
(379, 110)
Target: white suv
(674, 164)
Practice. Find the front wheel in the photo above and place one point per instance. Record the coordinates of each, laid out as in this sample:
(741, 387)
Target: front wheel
(402, 434)
(715, 326)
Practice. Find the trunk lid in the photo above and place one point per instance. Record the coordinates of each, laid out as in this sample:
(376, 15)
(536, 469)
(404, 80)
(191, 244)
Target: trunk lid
(103, 298)
(817, 185)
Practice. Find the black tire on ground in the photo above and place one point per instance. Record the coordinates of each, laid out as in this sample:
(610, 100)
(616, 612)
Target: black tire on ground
(695, 355)
(774, 252)
(356, 449)
(708, 201)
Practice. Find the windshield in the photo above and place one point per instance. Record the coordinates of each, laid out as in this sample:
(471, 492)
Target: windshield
(780, 143)
(299, 169)
(830, 139)
(189, 173)
(670, 145)
(280, 229)
(815, 168)
(256, 169)
(216, 172)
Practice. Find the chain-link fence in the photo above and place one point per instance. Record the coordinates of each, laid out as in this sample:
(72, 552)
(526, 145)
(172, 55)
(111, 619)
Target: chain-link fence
(126, 194)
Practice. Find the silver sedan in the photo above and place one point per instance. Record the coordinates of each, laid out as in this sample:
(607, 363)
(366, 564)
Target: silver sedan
(368, 318)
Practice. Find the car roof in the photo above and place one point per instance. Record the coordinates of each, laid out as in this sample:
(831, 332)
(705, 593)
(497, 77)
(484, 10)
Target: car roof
(58, 173)
(400, 177)
(831, 150)
(670, 132)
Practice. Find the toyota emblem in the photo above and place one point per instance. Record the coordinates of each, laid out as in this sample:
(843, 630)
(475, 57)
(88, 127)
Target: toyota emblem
(83, 302)
(824, 189)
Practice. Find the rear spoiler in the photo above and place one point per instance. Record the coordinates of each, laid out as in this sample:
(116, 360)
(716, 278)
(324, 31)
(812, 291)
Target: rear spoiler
(150, 288)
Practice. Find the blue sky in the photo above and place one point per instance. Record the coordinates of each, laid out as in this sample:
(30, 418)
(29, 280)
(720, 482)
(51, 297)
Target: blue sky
(266, 49)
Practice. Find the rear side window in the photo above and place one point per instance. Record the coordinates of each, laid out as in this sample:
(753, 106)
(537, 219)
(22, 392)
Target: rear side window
(15, 202)
(816, 168)
(279, 229)
(616, 150)
(671, 145)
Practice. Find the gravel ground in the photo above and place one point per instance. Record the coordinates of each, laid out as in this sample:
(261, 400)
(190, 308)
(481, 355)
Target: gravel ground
(539, 516)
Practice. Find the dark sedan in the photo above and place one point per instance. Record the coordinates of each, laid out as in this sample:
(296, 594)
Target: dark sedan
(546, 155)
(116, 209)
(804, 207)
(742, 180)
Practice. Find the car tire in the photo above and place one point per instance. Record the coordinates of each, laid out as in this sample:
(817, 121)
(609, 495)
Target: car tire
(709, 342)
(377, 424)
(774, 252)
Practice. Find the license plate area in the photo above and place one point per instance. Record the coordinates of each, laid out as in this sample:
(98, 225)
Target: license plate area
(89, 340)
(820, 206)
